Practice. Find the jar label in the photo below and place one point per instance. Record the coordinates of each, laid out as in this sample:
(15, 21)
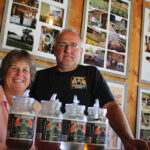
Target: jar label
(73, 131)
(20, 126)
(49, 129)
(99, 133)
(89, 132)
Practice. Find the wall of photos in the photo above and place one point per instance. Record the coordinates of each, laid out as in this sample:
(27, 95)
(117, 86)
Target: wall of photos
(33, 25)
(133, 78)
(106, 34)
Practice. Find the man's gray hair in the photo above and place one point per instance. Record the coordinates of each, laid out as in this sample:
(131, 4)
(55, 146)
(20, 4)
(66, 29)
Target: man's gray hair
(67, 30)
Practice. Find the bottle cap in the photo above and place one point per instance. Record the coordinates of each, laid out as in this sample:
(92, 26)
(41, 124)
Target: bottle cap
(53, 97)
(95, 109)
(26, 93)
(75, 107)
(75, 100)
(96, 105)
(102, 111)
(52, 105)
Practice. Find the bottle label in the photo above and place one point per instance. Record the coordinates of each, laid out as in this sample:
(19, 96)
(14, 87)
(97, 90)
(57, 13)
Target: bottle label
(99, 133)
(74, 131)
(20, 126)
(49, 129)
(96, 133)
(89, 132)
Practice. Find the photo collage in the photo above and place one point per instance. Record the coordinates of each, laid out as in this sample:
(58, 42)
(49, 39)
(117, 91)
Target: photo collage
(143, 118)
(106, 35)
(145, 47)
(27, 17)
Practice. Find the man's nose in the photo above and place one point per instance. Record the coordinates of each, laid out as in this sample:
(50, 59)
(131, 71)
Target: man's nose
(68, 48)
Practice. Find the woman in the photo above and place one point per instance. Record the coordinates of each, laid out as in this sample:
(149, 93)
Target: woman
(17, 73)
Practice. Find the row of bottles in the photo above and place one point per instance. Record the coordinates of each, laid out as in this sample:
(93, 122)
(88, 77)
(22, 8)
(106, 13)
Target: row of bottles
(54, 130)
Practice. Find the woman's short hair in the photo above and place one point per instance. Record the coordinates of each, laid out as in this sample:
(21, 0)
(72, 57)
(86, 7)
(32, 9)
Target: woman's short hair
(15, 56)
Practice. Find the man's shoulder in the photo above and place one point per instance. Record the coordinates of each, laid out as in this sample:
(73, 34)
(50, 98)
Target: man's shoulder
(87, 67)
(90, 71)
(46, 70)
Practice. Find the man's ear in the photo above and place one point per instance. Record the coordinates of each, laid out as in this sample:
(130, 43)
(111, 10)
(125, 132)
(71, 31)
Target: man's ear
(81, 51)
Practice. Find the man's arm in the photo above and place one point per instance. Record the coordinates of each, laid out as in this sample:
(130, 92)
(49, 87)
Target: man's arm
(119, 123)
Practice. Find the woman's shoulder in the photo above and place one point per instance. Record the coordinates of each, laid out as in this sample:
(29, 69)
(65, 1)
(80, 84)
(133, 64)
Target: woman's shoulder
(2, 95)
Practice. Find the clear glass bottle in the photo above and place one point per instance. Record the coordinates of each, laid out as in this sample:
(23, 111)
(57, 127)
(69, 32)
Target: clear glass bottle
(96, 128)
(21, 123)
(92, 116)
(100, 129)
(74, 126)
(49, 125)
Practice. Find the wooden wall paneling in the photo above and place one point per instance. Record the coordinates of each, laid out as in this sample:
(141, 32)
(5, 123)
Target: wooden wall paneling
(2, 2)
(76, 14)
(134, 64)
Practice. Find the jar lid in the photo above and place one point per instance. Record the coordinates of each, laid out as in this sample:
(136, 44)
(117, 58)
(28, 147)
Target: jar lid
(51, 104)
(102, 111)
(90, 109)
(23, 99)
(75, 107)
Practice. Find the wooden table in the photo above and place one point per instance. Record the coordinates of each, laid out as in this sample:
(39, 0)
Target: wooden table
(4, 147)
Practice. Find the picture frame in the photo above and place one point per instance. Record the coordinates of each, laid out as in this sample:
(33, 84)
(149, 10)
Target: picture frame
(144, 71)
(33, 25)
(143, 114)
(120, 91)
(106, 35)
(41, 67)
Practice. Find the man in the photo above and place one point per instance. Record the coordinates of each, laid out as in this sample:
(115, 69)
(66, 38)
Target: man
(69, 78)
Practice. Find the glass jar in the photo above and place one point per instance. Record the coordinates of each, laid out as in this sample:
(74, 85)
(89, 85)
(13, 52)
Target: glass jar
(97, 124)
(21, 123)
(74, 127)
(100, 128)
(49, 126)
(91, 118)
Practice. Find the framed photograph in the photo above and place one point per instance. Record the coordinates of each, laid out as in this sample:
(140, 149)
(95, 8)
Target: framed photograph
(106, 35)
(119, 91)
(32, 25)
(144, 74)
(143, 114)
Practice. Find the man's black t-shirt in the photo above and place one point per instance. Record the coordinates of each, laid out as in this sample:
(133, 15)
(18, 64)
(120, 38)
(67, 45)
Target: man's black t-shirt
(86, 82)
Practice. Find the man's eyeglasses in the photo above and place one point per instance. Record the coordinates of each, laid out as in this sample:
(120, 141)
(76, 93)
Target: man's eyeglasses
(65, 45)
